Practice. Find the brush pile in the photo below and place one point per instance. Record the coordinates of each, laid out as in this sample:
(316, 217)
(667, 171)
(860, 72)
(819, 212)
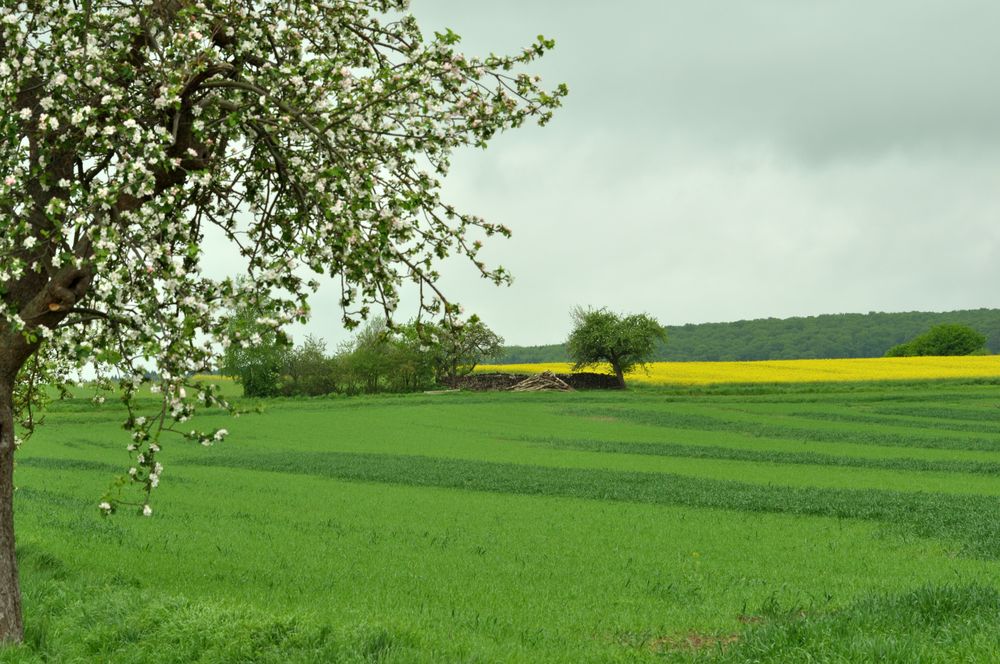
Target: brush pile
(543, 382)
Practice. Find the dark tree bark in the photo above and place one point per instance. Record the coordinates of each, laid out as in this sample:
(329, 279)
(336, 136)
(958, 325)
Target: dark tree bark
(42, 300)
(619, 374)
(11, 625)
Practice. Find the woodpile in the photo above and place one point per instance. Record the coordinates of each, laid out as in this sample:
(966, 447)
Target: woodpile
(487, 382)
(543, 382)
(490, 382)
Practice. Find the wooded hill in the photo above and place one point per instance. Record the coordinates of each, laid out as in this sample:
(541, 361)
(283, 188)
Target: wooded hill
(827, 336)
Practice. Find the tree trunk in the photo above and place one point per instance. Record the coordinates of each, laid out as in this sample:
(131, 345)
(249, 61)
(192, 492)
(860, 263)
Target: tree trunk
(11, 625)
(619, 374)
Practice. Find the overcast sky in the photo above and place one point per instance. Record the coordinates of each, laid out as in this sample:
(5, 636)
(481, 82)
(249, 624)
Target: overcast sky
(721, 160)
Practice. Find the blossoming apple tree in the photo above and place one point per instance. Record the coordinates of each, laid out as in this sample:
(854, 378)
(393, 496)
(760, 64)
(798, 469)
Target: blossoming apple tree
(308, 137)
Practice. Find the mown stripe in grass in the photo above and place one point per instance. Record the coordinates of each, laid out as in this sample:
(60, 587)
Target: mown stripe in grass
(765, 456)
(888, 420)
(972, 520)
(675, 420)
(69, 464)
(929, 411)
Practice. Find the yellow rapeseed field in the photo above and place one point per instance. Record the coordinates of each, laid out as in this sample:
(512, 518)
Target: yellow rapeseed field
(791, 371)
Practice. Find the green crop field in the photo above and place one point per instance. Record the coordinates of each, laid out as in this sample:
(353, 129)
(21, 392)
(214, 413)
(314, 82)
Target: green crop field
(840, 523)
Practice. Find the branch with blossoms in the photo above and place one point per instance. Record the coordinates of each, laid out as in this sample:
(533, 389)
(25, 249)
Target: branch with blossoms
(311, 136)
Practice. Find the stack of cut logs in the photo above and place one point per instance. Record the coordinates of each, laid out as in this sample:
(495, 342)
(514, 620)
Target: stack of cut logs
(543, 382)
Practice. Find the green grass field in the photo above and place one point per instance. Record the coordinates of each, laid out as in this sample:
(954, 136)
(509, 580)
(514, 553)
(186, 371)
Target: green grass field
(840, 523)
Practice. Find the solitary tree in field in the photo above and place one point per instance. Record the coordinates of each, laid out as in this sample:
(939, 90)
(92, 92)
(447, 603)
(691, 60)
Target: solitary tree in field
(624, 342)
(140, 139)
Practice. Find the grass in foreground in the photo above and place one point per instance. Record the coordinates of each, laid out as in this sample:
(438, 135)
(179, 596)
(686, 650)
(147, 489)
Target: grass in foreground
(723, 525)
(930, 624)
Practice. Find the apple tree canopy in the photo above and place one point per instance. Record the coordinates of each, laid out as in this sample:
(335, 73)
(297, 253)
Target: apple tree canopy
(310, 135)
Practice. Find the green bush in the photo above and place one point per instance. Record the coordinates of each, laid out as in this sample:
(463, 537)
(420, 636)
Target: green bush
(946, 339)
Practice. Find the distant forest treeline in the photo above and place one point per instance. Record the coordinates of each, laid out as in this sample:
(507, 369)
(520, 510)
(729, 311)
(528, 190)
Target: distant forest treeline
(827, 336)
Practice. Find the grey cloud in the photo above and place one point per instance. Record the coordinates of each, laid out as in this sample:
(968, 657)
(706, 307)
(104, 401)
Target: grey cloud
(719, 160)
(824, 78)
